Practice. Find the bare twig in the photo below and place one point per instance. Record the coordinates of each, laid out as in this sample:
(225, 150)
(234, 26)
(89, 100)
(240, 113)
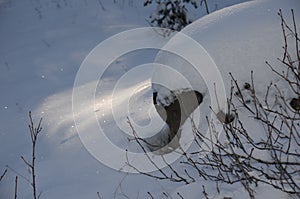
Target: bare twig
(120, 187)
(180, 195)
(99, 196)
(18, 174)
(16, 187)
(101, 5)
(34, 132)
(150, 195)
(2, 176)
(204, 192)
(206, 5)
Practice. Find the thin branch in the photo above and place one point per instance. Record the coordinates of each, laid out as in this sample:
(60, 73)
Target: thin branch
(2, 176)
(206, 5)
(101, 5)
(34, 132)
(150, 195)
(16, 187)
(99, 196)
(19, 174)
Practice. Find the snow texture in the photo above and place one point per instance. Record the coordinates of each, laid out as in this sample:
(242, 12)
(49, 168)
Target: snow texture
(42, 46)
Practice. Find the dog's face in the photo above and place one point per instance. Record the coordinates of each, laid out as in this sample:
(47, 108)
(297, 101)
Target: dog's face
(174, 114)
(180, 109)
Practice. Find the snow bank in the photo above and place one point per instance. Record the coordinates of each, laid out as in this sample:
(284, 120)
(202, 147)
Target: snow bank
(239, 39)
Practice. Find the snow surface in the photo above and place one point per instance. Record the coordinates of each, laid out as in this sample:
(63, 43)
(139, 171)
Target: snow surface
(43, 44)
(239, 39)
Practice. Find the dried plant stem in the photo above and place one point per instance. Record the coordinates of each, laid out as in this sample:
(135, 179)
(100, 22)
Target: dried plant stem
(34, 132)
(2, 176)
(16, 187)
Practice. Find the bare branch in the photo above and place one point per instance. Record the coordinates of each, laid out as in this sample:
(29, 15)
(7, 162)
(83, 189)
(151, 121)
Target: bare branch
(2, 176)
(34, 132)
(16, 187)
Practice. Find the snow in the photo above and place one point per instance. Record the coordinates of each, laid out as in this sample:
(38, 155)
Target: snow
(247, 27)
(43, 44)
(40, 57)
(238, 39)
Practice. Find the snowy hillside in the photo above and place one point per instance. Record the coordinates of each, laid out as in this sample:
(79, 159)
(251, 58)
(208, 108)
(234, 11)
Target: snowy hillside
(43, 46)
